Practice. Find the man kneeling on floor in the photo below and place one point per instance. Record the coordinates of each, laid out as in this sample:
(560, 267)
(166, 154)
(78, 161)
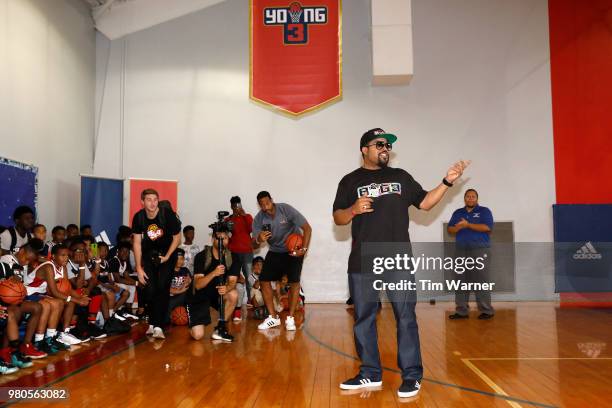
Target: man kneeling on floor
(212, 282)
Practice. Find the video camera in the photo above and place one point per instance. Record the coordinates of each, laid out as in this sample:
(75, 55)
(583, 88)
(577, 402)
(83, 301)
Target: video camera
(221, 225)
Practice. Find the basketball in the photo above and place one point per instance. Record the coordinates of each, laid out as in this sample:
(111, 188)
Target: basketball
(294, 242)
(11, 292)
(179, 316)
(63, 285)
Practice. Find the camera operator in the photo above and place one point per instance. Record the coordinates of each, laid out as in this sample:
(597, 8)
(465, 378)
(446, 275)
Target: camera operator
(211, 280)
(273, 224)
(157, 234)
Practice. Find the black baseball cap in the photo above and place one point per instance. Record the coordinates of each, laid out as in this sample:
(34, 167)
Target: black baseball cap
(375, 134)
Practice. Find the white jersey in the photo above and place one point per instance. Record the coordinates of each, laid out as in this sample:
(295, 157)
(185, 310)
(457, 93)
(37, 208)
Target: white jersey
(73, 270)
(10, 260)
(6, 240)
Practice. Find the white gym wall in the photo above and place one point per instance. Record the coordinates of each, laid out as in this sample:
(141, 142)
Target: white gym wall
(173, 103)
(47, 86)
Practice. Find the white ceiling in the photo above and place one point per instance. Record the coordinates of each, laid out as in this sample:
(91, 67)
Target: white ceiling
(116, 18)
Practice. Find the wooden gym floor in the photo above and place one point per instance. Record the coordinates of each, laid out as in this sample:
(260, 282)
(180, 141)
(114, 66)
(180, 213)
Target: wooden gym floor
(530, 355)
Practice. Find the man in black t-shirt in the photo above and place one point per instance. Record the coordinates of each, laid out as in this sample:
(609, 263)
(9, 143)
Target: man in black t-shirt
(157, 234)
(376, 199)
(211, 280)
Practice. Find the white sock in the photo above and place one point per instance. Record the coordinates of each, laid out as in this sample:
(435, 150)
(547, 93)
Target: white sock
(111, 312)
(51, 332)
(38, 337)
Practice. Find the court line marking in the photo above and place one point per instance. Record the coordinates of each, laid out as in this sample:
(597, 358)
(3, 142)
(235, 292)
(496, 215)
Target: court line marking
(431, 380)
(497, 388)
(538, 358)
(488, 381)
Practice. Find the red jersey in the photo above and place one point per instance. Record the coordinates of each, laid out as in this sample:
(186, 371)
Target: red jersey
(240, 241)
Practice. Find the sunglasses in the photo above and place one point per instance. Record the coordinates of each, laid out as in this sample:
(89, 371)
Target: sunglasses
(379, 145)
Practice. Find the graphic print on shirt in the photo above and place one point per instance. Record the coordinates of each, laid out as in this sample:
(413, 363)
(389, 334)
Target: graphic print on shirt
(154, 232)
(377, 190)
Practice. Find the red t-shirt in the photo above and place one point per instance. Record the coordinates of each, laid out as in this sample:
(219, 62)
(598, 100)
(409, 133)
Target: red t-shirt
(240, 241)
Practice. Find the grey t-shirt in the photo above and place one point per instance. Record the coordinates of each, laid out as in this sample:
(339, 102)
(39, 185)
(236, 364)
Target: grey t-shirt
(287, 220)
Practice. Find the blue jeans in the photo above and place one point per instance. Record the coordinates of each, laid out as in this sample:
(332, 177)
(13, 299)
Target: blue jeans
(365, 299)
(246, 262)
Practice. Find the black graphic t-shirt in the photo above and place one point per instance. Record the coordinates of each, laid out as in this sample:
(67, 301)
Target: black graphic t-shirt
(393, 191)
(209, 291)
(156, 233)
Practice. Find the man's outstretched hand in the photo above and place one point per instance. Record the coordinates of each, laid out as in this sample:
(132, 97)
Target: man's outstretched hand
(456, 170)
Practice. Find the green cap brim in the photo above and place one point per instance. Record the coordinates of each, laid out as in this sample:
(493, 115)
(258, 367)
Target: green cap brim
(390, 138)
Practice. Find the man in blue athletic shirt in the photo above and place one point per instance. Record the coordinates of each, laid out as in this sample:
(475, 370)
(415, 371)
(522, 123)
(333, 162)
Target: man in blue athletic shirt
(472, 225)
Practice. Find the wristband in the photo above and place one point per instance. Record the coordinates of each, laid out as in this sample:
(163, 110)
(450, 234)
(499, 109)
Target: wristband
(82, 268)
(68, 299)
(446, 183)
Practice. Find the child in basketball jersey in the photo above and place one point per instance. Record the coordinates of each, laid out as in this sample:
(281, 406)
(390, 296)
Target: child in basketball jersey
(43, 282)
(44, 341)
(18, 264)
(58, 236)
(11, 355)
(114, 296)
(83, 273)
(259, 308)
(40, 232)
(124, 276)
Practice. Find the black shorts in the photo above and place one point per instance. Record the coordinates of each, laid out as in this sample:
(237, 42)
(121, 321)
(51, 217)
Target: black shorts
(199, 312)
(278, 264)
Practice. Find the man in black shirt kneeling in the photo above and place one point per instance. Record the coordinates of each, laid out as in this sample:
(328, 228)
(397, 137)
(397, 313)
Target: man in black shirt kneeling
(212, 283)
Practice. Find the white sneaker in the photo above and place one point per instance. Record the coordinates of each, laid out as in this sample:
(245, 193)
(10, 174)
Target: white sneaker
(290, 323)
(68, 339)
(158, 333)
(149, 330)
(269, 323)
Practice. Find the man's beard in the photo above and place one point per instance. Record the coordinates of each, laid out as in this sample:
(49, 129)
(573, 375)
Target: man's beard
(382, 163)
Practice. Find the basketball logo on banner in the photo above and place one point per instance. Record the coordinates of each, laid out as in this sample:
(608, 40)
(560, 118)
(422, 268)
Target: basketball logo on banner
(296, 63)
(295, 28)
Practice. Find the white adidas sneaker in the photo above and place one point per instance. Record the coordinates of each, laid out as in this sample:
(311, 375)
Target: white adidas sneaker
(269, 323)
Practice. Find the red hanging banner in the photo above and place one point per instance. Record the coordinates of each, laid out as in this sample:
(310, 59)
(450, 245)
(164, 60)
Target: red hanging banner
(296, 53)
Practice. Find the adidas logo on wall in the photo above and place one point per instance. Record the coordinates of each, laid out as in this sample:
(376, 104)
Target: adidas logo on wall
(587, 251)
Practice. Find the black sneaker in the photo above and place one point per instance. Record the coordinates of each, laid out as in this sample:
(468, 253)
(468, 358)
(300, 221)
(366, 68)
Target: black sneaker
(58, 344)
(358, 382)
(46, 346)
(456, 316)
(95, 332)
(409, 388)
(20, 361)
(81, 334)
(485, 316)
(222, 334)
